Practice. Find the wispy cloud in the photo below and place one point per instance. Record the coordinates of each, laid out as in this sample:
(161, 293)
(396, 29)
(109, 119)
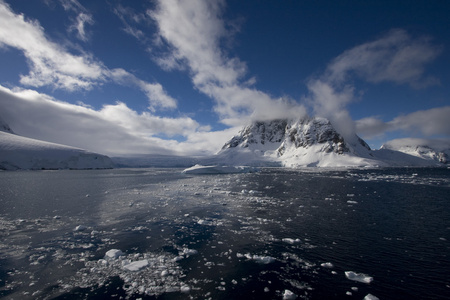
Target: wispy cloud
(53, 65)
(131, 21)
(431, 122)
(194, 33)
(113, 130)
(395, 57)
(82, 18)
(155, 92)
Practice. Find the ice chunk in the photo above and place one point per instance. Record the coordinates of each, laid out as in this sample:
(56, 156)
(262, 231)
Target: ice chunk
(113, 253)
(327, 265)
(136, 265)
(188, 252)
(288, 295)
(185, 289)
(199, 169)
(371, 297)
(80, 228)
(291, 241)
(205, 222)
(360, 277)
(263, 259)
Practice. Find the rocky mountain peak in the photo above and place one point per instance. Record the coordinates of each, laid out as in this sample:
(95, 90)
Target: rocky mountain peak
(281, 135)
(259, 133)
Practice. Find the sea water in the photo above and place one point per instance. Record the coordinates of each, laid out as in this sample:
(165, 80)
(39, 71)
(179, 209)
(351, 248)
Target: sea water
(274, 234)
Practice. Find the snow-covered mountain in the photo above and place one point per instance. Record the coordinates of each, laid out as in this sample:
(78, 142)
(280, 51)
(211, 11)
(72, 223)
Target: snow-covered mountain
(17, 152)
(432, 150)
(314, 142)
(296, 143)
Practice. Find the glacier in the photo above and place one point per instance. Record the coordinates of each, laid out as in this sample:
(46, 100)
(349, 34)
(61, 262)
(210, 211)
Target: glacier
(18, 152)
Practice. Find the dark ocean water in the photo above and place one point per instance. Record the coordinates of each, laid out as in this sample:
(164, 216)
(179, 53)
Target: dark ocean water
(267, 235)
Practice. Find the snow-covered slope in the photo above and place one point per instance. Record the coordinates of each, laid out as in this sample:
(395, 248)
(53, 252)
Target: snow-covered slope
(296, 143)
(5, 127)
(17, 152)
(313, 142)
(437, 151)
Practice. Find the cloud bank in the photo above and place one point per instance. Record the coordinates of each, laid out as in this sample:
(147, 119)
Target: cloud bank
(431, 122)
(112, 130)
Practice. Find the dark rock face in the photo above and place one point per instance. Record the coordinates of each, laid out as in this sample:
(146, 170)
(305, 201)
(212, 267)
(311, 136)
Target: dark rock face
(284, 134)
(259, 133)
(315, 131)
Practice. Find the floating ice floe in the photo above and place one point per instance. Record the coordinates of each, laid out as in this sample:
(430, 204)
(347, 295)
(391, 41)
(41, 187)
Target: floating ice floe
(360, 277)
(80, 228)
(327, 265)
(199, 169)
(288, 295)
(371, 297)
(291, 241)
(142, 273)
(136, 265)
(189, 252)
(113, 253)
(258, 258)
(205, 222)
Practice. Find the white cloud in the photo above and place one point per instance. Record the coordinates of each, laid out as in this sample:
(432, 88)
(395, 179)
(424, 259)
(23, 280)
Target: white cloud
(83, 17)
(156, 94)
(431, 122)
(131, 20)
(395, 57)
(80, 24)
(371, 127)
(52, 65)
(112, 130)
(194, 33)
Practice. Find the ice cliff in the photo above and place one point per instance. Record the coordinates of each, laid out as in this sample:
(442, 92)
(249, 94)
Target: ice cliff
(17, 152)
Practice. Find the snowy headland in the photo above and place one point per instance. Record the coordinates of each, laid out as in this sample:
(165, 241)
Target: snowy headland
(17, 152)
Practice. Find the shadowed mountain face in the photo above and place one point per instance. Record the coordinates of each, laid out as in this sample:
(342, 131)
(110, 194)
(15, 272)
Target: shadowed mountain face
(283, 135)
(5, 127)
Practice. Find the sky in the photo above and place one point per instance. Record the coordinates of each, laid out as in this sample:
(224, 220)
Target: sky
(182, 77)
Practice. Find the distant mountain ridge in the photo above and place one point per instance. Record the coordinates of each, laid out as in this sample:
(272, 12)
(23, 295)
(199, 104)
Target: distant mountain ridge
(436, 150)
(314, 142)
